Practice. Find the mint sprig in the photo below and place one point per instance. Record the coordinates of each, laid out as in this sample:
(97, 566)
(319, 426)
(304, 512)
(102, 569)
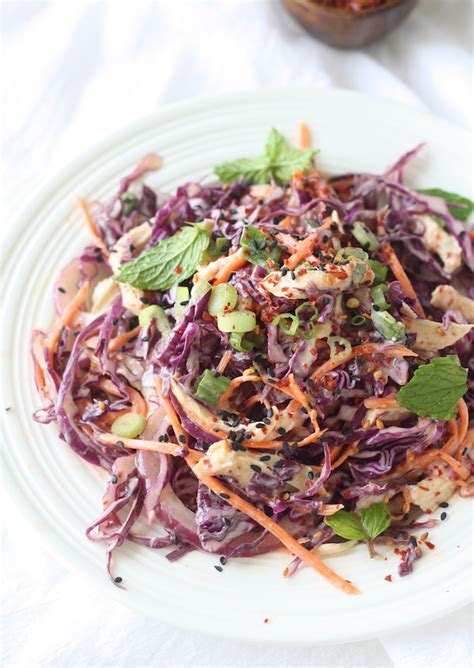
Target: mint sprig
(366, 525)
(279, 160)
(461, 212)
(435, 389)
(172, 261)
(258, 246)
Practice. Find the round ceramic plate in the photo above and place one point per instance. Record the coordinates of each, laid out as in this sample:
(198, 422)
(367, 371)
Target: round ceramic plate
(60, 495)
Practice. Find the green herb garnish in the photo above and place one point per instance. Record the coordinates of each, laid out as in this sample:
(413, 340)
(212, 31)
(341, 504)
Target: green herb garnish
(435, 389)
(279, 160)
(258, 246)
(459, 212)
(366, 524)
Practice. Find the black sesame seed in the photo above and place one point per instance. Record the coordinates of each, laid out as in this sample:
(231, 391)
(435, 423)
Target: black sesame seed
(182, 439)
(375, 307)
(269, 412)
(293, 275)
(279, 464)
(443, 516)
(227, 521)
(311, 475)
(413, 541)
(219, 568)
(268, 511)
(444, 504)
(160, 438)
(223, 561)
(118, 579)
(114, 480)
(242, 448)
(145, 339)
(144, 300)
(284, 271)
(119, 444)
(463, 452)
(304, 410)
(260, 425)
(281, 431)
(131, 248)
(99, 259)
(266, 420)
(62, 290)
(256, 468)
(334, 227)
(265, 458)
(114, 321)
(224, 495)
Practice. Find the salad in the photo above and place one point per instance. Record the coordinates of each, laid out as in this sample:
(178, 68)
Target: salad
(279, 359)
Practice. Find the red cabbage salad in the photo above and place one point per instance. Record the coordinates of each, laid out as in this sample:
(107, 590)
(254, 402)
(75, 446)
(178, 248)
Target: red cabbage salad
(279, 359)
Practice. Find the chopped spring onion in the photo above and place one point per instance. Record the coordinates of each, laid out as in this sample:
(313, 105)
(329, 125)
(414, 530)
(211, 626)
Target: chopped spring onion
(210, 387)
(223, 299)
(287, 323)
(307, 314)
(358, 320)
(244, 343)
(379, 269)
(333, 342)
(350, 251)
(219, 247)
(377, 294)
(199, 289)
(156, 313)
(359, 272)
(391, 329)
(181, 298)
(237, 321)
(129, 425)
(365, 237)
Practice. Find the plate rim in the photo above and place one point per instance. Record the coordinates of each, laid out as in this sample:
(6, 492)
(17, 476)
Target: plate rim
(35, 201)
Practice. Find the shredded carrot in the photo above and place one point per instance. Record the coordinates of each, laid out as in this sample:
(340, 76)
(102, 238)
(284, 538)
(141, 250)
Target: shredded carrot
(304, 140)
(455, 465)
(67, 318)
(167, 448)
(226, 271)
(380, 403)
(92, 228)
(286, 222)
(364, 349)
(224, 361)
(306, 246)
(463, 420)
(272, 527)
(350, 450)
(138, 402)
(251, 401)
(398, 271)
(234, 384)
(120, 340)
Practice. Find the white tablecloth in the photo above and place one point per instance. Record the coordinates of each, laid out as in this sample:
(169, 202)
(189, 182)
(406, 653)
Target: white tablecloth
(73, 73)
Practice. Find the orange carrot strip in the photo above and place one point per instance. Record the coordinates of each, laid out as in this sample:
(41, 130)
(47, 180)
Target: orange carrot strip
(138, 402)
(67, 318)
(455, 465)
(92, 228)
(382, 402)
(347, 453)
(120, 340)
(398, 271)
(306, 246)
(304, 140)
(272, 527)
(167, 448)
(463, 420)
(364, 349)
(224, 273)
(234, 384)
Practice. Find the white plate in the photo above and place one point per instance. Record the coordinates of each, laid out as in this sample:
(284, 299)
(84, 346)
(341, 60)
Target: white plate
(60, 494)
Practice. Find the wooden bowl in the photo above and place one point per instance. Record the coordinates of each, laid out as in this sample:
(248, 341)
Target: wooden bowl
(345, 28)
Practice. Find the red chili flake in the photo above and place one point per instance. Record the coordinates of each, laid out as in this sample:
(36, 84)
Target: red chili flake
(178, 270)
(425, 489)
(429, 545)
(424, 536)
(437, 493)
(388, 578)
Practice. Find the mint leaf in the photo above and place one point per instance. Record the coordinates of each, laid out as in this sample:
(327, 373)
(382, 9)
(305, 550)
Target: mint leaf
(347, 525)
(435, 389)
(460, 212)
(279, 160)
(365, 525)
(258, 246)
(174, 260)
(375, 519)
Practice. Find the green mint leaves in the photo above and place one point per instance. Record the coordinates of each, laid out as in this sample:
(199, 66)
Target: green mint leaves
(460, 212)
(258, 246)
(280, 160)
(367, 524)
(174, 260)
(435, 389)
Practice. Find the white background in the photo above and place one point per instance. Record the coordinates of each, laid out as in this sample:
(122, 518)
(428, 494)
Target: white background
(73, 73)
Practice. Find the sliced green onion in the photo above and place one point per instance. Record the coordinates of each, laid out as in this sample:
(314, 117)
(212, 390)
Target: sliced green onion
(219, 247)
(358, 320)
(199, 289)
(244, 343)
(282, 322)
(223, 299)
(365, 237)
(156, 313)
(237, 321)
(210, 387)
(180, 301)
(129, 425)
(359, 272)
(377, 294)
(350, 251)
(391, 329)
(307, 328)
(379, 269)
(333, 342)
